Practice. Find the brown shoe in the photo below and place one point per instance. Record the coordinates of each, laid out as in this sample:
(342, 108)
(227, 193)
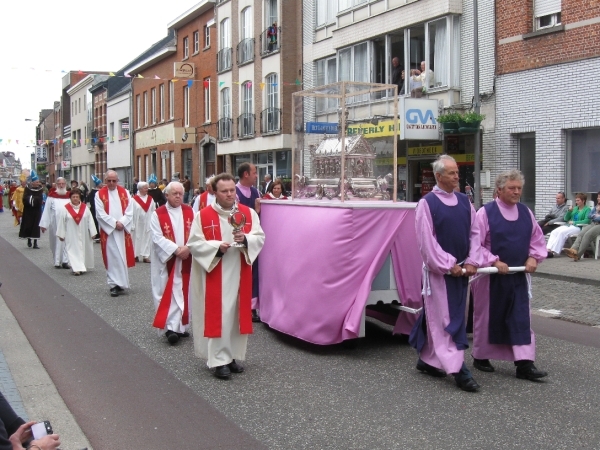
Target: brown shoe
(569, 252)
(146, 260)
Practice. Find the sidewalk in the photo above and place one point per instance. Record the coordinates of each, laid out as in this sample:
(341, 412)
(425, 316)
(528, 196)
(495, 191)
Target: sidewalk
(585, 271)
(28, 387)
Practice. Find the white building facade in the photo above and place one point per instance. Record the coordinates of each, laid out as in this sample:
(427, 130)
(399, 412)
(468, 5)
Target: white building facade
(82, 150)
(118, 150)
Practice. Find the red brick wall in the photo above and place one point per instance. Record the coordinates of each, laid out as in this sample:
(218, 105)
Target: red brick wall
(206, 67)
(515, 17)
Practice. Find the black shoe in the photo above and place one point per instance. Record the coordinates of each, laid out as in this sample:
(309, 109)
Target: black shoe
(222, 372)
(65, 266)
(184, 334)
(35, 246)
(530, 372)
(550, 255)
(57, 267)
(172, 337)
(29, 243)
(255, 316)
(119, 288)
(235, 367)
(467, 384)
(114, 292)
(422, 366)
(483, 364)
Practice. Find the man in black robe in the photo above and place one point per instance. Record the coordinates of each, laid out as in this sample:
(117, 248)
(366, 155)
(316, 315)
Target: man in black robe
(33, 199)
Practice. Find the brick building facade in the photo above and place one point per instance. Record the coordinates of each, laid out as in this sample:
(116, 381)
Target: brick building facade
(547, 116)
(174, 117)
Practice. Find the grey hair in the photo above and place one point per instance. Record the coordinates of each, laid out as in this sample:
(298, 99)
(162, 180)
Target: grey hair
(142, 184)
(171, 185)
(110, 172)
(439, 166)
(61, 179)
(509, 175)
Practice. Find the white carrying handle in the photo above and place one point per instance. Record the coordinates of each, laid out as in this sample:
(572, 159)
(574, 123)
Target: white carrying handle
(490, 270)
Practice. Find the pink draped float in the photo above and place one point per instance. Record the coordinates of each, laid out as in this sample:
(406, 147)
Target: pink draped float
(319, 261)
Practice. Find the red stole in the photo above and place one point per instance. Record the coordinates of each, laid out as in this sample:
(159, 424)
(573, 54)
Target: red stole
(213, 299)
(76, 215)
(55, 194)
(203, 200)
(145, 206)
(160, 319)
(129, 253)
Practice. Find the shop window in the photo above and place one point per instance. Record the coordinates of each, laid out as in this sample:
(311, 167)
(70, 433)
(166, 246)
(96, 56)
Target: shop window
(584, 161)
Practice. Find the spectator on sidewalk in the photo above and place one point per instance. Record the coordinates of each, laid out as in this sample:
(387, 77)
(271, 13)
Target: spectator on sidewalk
(588, 234)
(577, 215)
(556, 214)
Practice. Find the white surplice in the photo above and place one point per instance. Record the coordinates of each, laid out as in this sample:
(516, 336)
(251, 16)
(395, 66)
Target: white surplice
(116, 272)
(210, 198)
(52, 209)
(79, 244)
(163, 249)
(140, 228)
(231, 345)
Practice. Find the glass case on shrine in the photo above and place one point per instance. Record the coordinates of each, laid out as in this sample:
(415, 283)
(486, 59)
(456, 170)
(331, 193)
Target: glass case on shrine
(344, 143)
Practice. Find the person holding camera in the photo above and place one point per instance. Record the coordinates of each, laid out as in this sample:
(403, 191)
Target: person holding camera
(556, 214)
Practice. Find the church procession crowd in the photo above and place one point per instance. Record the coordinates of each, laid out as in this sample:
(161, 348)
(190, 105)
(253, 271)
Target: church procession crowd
(204, 265)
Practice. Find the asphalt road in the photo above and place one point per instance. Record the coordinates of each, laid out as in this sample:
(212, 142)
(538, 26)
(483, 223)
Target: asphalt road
(301, 396)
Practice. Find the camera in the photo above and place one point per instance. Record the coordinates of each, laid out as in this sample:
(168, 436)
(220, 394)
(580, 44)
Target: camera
(41, 429)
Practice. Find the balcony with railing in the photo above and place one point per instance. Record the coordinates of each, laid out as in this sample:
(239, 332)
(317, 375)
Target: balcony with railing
(224, 59)
(245, 51)
(270, 41)
(245, 125)
(225, 127)
(270, 121)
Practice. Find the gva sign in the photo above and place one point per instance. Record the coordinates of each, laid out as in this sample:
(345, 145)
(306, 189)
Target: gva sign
(419, 119)
(414, 116)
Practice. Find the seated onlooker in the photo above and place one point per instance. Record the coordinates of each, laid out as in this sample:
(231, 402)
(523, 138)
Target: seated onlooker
(588, 234)
(556, 214)
(577, 215)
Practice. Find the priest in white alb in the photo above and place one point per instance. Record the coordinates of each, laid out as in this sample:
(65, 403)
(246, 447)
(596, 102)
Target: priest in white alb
(76, 229)
(56, 201)
(114, 211)
(143, 207)
(171, 263)
(221, 286)
(206, 198)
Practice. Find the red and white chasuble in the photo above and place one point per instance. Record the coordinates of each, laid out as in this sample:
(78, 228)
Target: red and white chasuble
(140, 230)
(174, 270)
(52, 211)
(145, 205)
(124, 199)
(221, 286)
(76, 227)
(76, 215)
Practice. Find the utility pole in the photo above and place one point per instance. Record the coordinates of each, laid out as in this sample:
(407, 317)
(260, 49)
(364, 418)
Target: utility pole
(477, 106)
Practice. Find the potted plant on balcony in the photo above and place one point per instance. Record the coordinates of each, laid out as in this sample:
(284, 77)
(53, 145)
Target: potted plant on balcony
(449, 121)
(469, 122)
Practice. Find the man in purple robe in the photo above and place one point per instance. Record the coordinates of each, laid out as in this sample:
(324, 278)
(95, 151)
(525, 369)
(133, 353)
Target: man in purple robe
(509, 236)
(446, 239)
(248, 195)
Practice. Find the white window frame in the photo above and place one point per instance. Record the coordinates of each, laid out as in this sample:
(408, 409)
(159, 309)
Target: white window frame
(153, 104)
(226, 103)
(196, 42)
(272, 90)
(146, 108)
(138, 108)
(550, 9)
(225, 33)
(171, 100)
(206, 100)
(186, 47)
(161, 95)
(246, 22)
(186, 106)
(206, 36)
(247, 99)
(270, 15)
(323, 104)
(112, 132)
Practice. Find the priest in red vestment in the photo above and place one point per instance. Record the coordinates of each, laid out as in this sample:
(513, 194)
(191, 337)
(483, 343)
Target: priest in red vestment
(114, 211)
(143, 207)
(171, 264)
(221, 286)
(56, 201)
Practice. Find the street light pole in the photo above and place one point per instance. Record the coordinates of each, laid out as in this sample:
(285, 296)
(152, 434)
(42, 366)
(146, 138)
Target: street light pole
(477, 106)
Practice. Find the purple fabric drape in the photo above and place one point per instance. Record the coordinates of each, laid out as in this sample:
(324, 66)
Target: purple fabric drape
(318, 264)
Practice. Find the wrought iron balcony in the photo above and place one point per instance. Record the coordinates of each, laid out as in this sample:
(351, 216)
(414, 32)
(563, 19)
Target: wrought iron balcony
(224, 59)
(246, 125)
(225, 126)
(245, 51)
(270, 120)
(270, 41)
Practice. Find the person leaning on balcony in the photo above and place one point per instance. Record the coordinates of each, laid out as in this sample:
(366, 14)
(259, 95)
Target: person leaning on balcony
(556, 214)
(577, 215)
(588, 234)
(418, 76)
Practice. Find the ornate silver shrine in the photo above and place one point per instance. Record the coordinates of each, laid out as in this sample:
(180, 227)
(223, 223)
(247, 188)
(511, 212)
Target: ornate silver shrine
(326, 171)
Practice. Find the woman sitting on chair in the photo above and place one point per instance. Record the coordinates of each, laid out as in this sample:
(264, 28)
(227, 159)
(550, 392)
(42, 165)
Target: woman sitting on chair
(578, 215)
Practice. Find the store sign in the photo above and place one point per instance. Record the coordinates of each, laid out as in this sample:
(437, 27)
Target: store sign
(419, 119)
(41, 155)
(184, 70)
(383, 128)
(431, 150)
(65, 165)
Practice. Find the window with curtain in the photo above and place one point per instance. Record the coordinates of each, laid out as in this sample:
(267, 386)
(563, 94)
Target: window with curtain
(439, 54)
(225, 103)
(247, 97)
(246, 23)
(272, 86)
(225, 34)
(270, 12)
(325, 74)
(326, 11)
